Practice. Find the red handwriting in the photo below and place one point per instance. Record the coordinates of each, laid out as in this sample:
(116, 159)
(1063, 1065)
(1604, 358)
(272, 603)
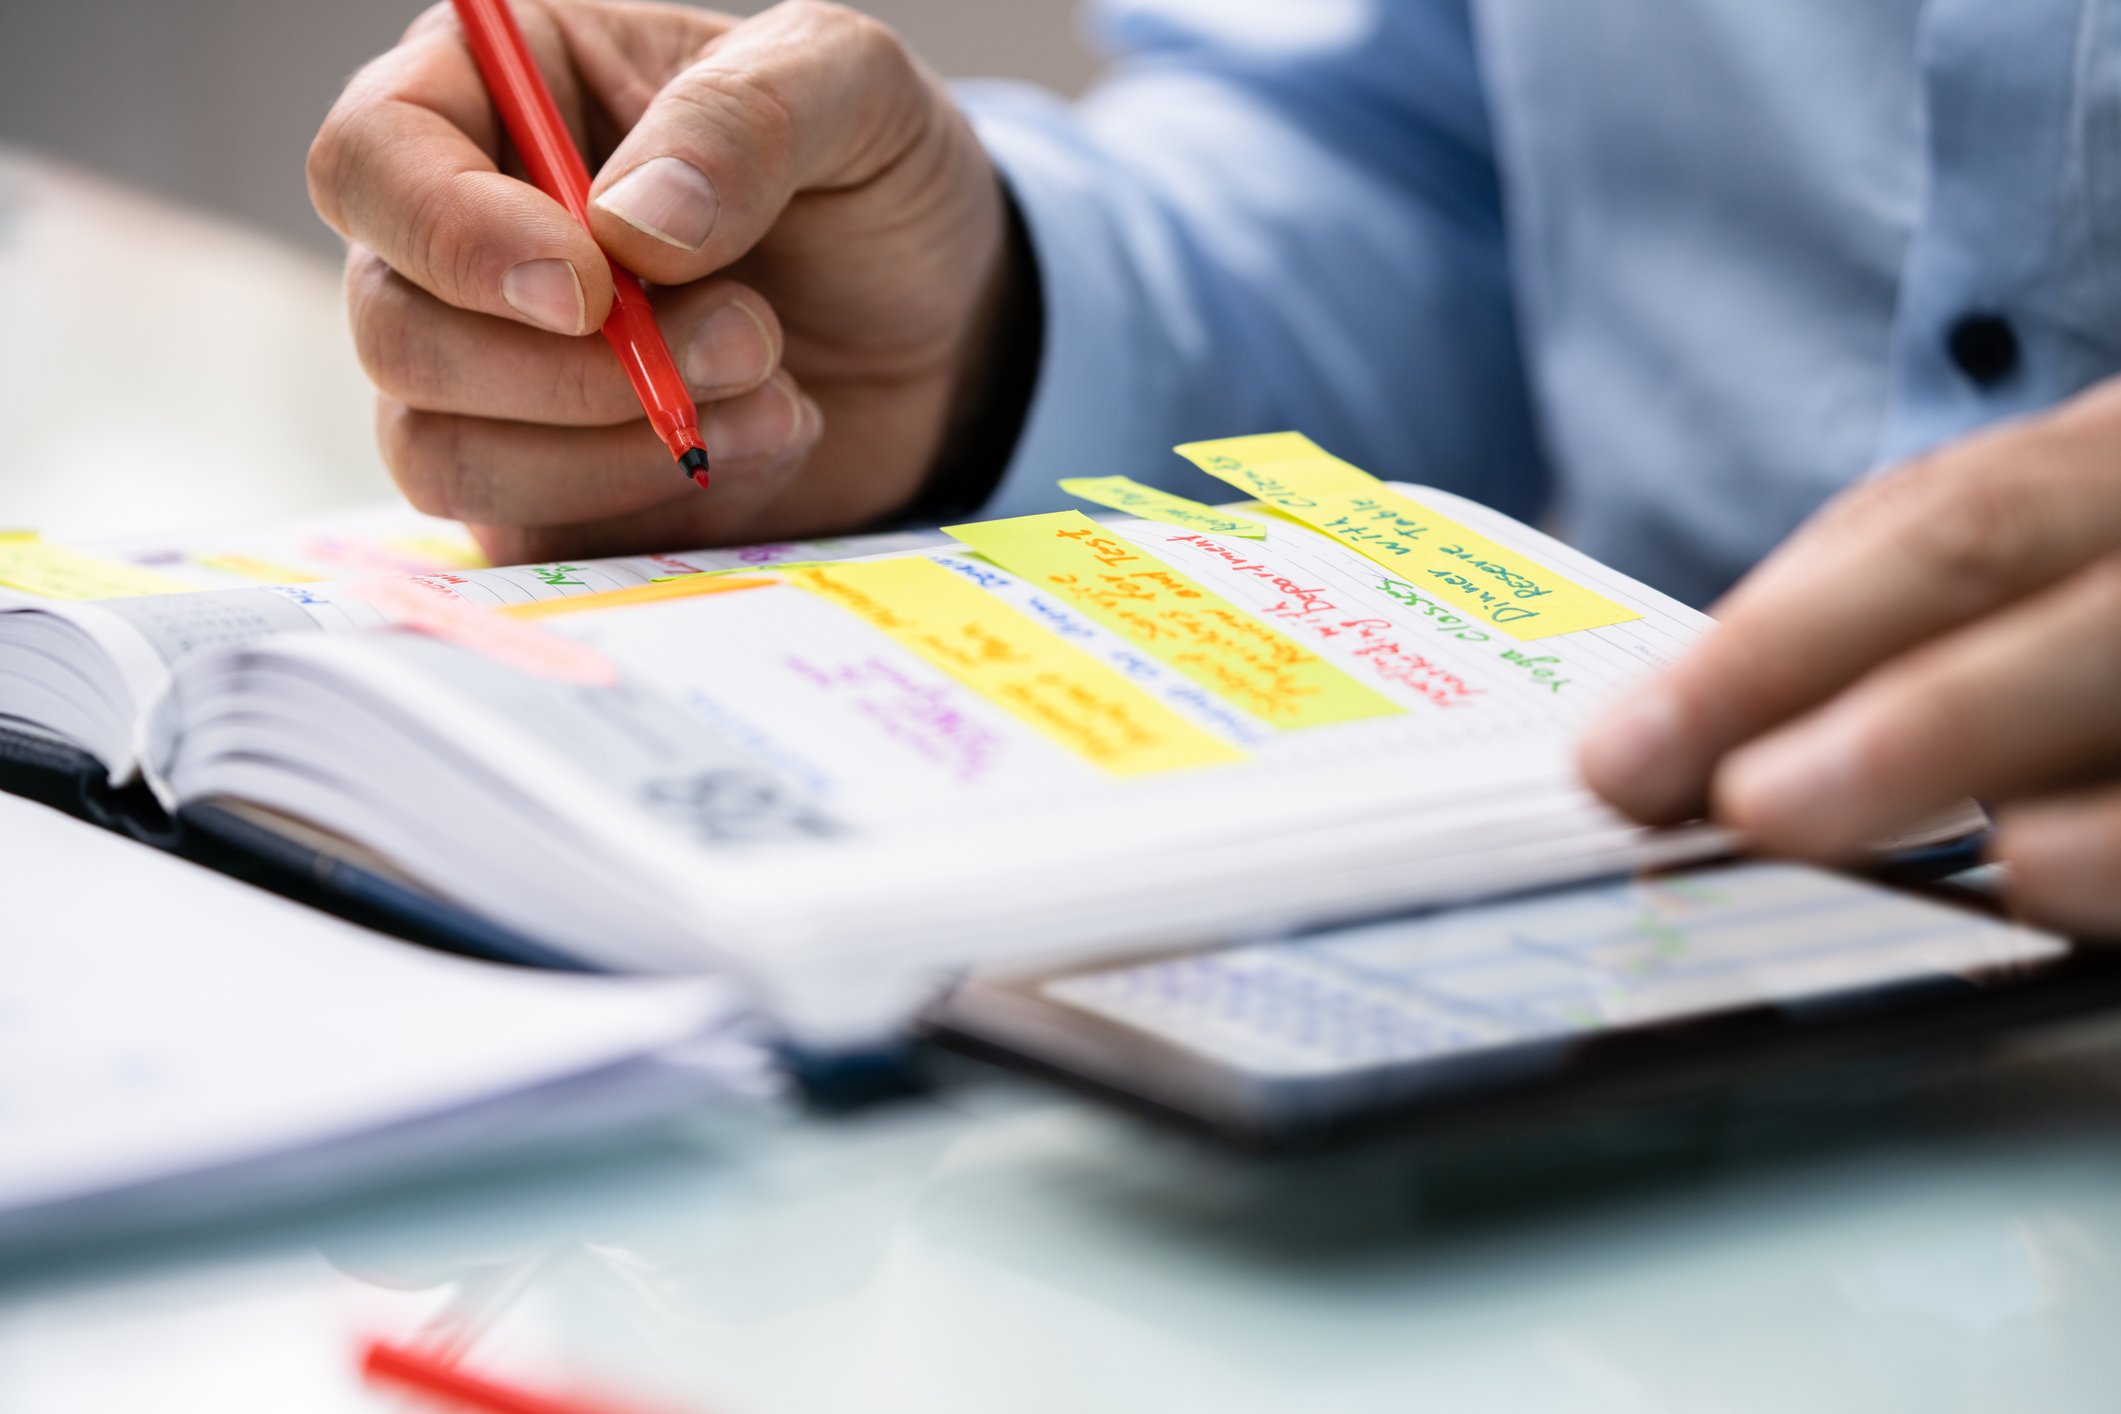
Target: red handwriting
(1388, 657)
(1381, 648)
(1308, 598)
(676, 565)
(1395, 662)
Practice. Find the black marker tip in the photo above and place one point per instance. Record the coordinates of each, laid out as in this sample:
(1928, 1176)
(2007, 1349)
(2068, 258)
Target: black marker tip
(695, 463)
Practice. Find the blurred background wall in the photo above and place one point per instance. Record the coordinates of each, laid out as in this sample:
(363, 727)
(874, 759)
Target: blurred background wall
(213, 102)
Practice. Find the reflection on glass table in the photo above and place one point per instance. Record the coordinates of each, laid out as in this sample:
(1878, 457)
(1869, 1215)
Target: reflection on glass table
(1956, 1246)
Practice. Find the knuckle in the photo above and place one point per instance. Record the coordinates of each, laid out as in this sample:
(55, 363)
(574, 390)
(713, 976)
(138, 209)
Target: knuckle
(394, 435)
(819, 16)
(885, 68)
(1966, 529)
(425, 454)
(341, 155)
(432, 227)
(399, 356)
(866, 37)
(858, 43)
(581, 391)
(440, 16)
(324, 167)
(724, 98)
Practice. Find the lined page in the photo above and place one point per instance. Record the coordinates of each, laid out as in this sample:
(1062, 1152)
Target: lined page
(884, 736)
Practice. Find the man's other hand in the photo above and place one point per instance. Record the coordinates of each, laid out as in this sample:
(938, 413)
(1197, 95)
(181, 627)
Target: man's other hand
(1949, 629)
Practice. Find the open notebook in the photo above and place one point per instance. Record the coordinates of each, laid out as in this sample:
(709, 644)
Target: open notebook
(839, 781)
(89, 631)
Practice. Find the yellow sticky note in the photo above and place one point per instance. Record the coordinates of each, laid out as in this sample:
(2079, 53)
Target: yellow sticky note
(1123, 493)
(251, 567)
(1498, 585)
(1063, 692)
(1285, 470)
(1174, 619)
(442, 552)
(741, 569)
(684, 586)
(36, 566)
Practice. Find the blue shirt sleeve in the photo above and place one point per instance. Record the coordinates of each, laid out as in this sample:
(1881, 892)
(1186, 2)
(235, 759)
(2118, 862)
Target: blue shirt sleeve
(1270, 214)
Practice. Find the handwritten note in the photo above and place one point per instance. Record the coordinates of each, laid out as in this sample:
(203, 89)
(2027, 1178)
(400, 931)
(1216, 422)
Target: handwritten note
(1498, 586)
(1175, 619)
(1051, 685)
(1122, 493)
(33, 565)
(739, 569)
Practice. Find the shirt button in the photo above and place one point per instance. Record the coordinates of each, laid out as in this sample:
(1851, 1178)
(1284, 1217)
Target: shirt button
(1985, 347)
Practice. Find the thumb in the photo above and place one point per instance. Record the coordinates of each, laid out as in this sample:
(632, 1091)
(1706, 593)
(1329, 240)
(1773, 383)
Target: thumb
(805, 96)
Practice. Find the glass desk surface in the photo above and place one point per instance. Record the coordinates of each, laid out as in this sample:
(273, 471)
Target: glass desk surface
(1954, 1247)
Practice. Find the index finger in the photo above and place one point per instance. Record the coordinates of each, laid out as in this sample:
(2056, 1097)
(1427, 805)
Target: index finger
(1922, 549)
(404, 166)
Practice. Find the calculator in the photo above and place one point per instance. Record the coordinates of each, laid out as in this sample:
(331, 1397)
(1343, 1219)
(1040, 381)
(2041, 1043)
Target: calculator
(1647, 989)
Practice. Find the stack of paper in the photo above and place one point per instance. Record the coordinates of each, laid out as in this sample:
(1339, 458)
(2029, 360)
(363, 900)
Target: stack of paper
(175, 1045)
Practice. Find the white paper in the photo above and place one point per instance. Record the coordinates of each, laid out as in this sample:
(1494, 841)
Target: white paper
(158, 1020)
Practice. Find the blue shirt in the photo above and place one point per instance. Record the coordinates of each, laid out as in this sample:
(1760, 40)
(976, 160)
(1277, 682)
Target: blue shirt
(1667, 273)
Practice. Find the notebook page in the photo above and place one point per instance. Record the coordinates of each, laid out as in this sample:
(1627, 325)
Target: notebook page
(178, 624)
(885, 739)
(391, 539)
(132, 642)
(157, 1019)
(880, 740)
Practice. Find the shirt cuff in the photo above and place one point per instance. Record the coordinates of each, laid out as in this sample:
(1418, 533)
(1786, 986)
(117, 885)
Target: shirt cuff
(1089, 415)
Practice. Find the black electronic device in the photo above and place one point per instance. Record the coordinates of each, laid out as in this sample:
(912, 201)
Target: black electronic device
(1656, 989)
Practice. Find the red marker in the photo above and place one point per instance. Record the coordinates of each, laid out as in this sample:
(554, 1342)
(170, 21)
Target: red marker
(534, 125)
(442, 1383)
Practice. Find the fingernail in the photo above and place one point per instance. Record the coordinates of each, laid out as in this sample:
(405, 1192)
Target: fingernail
(1633, 757)
(546, 292)
(762, 425)
(730, 349)
(667, 198)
